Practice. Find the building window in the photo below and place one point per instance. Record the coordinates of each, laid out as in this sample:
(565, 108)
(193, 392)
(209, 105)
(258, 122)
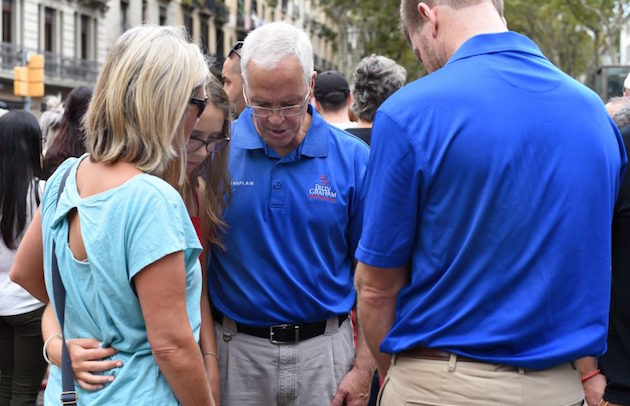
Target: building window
(84, 36)
(188, 23)
(7, 19)
(205, 45)
(49, 29)
(124, 14)
(220, 49)
(162, 14)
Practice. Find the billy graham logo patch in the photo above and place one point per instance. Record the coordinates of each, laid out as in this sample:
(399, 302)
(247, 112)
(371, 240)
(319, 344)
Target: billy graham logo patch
(321, 190)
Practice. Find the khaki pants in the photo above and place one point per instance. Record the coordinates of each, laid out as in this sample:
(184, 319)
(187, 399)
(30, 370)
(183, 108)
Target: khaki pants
(255, 372)
(413, 381)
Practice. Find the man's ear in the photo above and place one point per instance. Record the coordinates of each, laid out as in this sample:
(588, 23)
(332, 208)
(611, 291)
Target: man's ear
(318, 106)
(429, 16)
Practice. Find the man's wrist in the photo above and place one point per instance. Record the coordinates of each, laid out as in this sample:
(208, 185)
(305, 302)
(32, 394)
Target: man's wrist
(590, 375)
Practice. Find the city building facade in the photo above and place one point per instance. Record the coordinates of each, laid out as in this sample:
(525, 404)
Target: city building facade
(75, 35)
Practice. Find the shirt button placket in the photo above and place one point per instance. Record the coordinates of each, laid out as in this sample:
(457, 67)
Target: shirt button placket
(277, 189)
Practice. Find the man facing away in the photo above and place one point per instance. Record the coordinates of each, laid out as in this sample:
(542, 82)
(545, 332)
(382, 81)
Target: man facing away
(282, 288)
(332, 98)
(484, 263)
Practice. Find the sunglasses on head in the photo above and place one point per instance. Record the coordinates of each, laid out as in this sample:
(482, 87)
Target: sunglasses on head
(200, 103)
(236, 47)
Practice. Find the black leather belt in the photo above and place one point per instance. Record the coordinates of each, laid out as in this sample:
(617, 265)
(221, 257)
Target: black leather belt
(282, 333)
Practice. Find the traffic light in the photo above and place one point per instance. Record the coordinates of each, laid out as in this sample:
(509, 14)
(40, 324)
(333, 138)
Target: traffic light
(29, 80)
(36, 75)
(20, 81)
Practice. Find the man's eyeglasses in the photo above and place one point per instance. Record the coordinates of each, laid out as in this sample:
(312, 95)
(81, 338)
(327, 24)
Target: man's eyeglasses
(260, 111)
(236, 47)
(201, 103)
(211, 144)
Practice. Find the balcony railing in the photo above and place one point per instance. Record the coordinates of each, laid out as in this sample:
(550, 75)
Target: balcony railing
(64, 68)
(56, 67)
(94, 4)
(10, 56)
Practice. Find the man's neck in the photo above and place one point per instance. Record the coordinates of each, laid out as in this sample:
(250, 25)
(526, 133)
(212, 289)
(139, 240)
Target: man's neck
(467, 22)
(336, 117)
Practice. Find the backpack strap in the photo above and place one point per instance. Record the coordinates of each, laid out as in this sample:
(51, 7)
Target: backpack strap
(68, 394)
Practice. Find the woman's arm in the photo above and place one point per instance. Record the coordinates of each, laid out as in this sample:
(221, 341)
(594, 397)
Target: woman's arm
(207, 337)
(86, 354)
(28, 266)
(207, 341)
(161, 289)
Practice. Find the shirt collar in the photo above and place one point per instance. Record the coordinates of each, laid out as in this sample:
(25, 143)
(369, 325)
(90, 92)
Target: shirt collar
(314, 144)
(496, 42)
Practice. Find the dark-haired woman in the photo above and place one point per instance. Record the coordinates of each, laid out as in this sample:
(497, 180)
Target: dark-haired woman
(70, 139)
(21, 364)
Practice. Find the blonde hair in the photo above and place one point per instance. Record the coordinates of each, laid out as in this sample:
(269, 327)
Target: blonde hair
(140, 99)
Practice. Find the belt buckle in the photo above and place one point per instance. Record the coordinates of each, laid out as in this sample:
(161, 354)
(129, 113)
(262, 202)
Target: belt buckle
(69, 397)
(284, 328)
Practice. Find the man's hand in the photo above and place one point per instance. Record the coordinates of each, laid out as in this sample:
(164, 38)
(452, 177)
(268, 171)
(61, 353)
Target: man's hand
(354, 388)
(594, 389)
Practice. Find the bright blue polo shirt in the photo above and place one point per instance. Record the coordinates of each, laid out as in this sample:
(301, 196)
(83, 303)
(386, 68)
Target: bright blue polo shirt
(495, 178)
(293, 226)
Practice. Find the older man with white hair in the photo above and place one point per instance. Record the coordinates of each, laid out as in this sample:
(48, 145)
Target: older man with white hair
(282, 286)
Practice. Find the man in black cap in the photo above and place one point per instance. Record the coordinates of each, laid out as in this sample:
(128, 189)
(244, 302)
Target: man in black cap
(331, 96)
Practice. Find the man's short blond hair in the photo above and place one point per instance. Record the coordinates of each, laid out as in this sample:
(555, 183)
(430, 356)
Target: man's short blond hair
(410, 17)
(141, 95)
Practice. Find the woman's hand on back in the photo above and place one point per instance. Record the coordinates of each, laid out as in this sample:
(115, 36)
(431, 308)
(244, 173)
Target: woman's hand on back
(87, 357)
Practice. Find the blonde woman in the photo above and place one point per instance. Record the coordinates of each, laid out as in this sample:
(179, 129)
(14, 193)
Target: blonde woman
(205, 192)
(127, 251)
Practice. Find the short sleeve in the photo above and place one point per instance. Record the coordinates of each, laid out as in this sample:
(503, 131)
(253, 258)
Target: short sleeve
(394, 182)
(51, 189)
(157, 228)
(358, 198)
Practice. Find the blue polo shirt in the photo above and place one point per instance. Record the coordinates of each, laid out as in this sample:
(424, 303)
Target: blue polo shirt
(495, 178)
(293, 226)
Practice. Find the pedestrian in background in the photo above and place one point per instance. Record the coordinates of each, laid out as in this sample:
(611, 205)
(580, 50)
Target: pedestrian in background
(374, 79)
(21, 365)
(332, 98)
(69, 140)
(127, 251)
(282, 288)
(50, 120)
(613, 386)
(484, 263)
(232, 79)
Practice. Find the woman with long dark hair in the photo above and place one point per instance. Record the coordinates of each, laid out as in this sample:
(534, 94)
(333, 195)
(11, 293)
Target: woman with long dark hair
(21, 363)
(70, 139)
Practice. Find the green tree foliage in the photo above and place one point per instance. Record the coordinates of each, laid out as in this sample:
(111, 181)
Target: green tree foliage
(576, 35)
(376, 23)
(551, 24)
